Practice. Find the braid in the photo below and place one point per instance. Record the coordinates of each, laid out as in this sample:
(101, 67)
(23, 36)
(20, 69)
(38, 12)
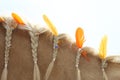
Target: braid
(8, 24)
(77, 64)
(34, 46)
(50, 66)
(104, 65)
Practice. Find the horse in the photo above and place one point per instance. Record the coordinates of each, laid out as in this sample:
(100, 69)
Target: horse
(20, 66)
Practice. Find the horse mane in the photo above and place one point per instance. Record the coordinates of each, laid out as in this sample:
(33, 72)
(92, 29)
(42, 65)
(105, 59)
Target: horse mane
(90, 50)
(113, 59)
(64, 40)
(43, 31)
(65, 44)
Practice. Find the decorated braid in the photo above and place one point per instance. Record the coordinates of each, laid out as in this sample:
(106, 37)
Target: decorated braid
(102, 55)
(9, 25)
(55, 45)
(34, 46)
(79, 42)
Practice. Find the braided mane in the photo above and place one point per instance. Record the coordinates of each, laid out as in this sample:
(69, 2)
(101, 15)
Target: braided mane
(20, 36)
(33, 45)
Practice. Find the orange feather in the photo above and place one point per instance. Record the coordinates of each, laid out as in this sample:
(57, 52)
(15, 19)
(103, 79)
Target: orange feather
(80, 37)
(17, 19)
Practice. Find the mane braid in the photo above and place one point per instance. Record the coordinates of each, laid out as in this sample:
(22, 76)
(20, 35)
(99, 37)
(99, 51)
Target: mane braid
(104, 65)
(77, 64)
(34, 46)
(102, 55)
(9, 28)
(50, 67)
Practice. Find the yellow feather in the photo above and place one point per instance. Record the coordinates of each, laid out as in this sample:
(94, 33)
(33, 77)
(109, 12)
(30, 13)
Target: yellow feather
(103, 48)
(50, 25)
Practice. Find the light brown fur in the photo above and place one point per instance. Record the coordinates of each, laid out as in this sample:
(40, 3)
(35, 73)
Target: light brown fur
(21, 64)
(113, 67)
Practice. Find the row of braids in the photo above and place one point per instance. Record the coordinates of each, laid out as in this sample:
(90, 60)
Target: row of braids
(11, 23)
(102, 52)
(80, 39)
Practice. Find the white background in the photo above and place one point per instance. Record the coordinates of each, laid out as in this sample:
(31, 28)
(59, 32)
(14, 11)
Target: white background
(96, 17)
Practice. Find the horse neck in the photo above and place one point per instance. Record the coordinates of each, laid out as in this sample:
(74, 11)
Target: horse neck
(2, 47)
(21, 63)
